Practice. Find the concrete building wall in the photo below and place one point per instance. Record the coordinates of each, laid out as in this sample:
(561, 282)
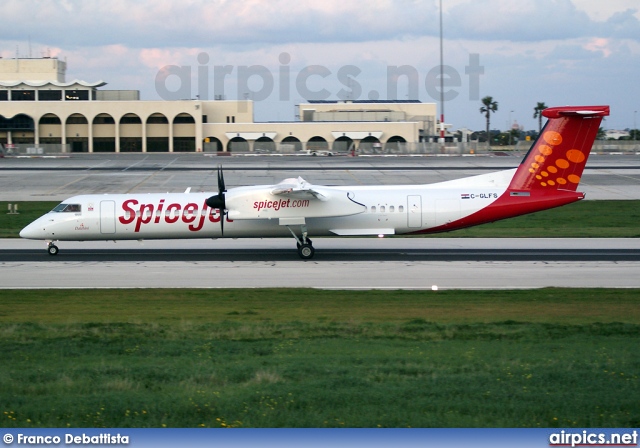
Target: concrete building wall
(70, 113)
(228, 111)
(36, 69)
(410, 108)
(118, 95)
(131, 130)
(86, 121)
(305, 132)
(424, 113)
(132, 125)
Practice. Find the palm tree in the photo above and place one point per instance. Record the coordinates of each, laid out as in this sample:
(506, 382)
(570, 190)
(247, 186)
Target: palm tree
(489, 106)
(537, 113)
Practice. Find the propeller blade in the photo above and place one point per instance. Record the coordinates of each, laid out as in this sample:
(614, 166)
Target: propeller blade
(218, 201)
(221, 188)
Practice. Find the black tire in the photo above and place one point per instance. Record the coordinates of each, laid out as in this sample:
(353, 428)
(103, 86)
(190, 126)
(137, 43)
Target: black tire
(52, 249)
(306, 251)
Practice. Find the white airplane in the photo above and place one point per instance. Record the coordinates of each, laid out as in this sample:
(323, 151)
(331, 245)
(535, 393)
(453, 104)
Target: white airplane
(547, 177)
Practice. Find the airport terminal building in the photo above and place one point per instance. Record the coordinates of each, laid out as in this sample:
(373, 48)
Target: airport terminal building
(39, 110)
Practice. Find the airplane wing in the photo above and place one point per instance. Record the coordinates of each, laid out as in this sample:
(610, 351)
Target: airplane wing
(291, 198)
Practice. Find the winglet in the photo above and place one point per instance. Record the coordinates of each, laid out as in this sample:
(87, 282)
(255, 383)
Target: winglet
(558, 157)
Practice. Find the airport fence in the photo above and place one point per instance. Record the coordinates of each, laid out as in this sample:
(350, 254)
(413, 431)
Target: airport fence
(35, 150)
(342, 148)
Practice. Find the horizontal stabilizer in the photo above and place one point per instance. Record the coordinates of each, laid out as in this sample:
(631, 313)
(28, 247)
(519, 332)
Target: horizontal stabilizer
(578, 111)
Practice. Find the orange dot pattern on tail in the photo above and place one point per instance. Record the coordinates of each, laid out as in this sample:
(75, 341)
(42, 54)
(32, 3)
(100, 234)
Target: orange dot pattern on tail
(550, 161)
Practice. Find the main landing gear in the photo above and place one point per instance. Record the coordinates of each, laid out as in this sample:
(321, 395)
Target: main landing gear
(52, 248)
(306, 250)
(305, 246)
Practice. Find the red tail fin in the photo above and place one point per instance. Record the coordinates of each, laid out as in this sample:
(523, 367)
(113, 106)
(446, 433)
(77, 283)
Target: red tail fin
(558, 157)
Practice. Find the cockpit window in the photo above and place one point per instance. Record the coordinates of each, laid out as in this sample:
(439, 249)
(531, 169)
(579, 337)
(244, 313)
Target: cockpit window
(67, 208)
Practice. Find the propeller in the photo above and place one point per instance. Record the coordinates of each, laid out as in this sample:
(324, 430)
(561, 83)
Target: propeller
(218, 201)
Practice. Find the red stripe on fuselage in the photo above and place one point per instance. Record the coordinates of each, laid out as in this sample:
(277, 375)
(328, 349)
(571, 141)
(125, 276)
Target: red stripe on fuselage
(508, 206)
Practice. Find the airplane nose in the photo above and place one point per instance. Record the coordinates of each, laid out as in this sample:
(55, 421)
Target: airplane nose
(26, 232)
(32, 231)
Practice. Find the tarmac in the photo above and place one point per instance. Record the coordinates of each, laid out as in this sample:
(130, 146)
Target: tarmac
(55, 179)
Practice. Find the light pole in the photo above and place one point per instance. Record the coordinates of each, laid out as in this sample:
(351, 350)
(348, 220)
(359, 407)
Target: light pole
(442, 146)
(510, 127)
(635, 130)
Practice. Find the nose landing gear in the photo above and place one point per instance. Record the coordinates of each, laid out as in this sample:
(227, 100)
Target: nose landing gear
(52, 248)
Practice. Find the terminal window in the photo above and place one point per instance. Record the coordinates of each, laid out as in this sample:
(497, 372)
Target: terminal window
(23, 95)
(50, 95)
(76, 95)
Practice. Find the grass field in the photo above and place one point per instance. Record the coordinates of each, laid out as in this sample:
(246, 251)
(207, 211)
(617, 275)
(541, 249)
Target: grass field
(10, 225)
(588, 219)
(309, 358)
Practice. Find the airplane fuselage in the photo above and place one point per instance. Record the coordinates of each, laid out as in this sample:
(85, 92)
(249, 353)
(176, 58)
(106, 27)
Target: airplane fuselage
(379, 211)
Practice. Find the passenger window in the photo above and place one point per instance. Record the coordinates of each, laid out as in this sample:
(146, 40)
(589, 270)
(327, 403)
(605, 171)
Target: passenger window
(373, 209)
(382, 209)
(401, 208)
(391, 209)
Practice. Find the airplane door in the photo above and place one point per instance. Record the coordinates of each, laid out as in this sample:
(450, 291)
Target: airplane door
(414, 211)
(108, 217)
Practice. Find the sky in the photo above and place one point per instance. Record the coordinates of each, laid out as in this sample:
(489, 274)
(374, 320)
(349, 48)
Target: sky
(280, 53)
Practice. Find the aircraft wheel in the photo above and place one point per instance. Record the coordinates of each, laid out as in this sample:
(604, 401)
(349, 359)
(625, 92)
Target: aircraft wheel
(306, 251)
(52, 249)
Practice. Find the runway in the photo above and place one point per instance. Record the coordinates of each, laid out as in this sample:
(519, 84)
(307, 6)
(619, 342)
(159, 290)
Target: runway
(360, 263)
(349, 263)
(323, 255)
